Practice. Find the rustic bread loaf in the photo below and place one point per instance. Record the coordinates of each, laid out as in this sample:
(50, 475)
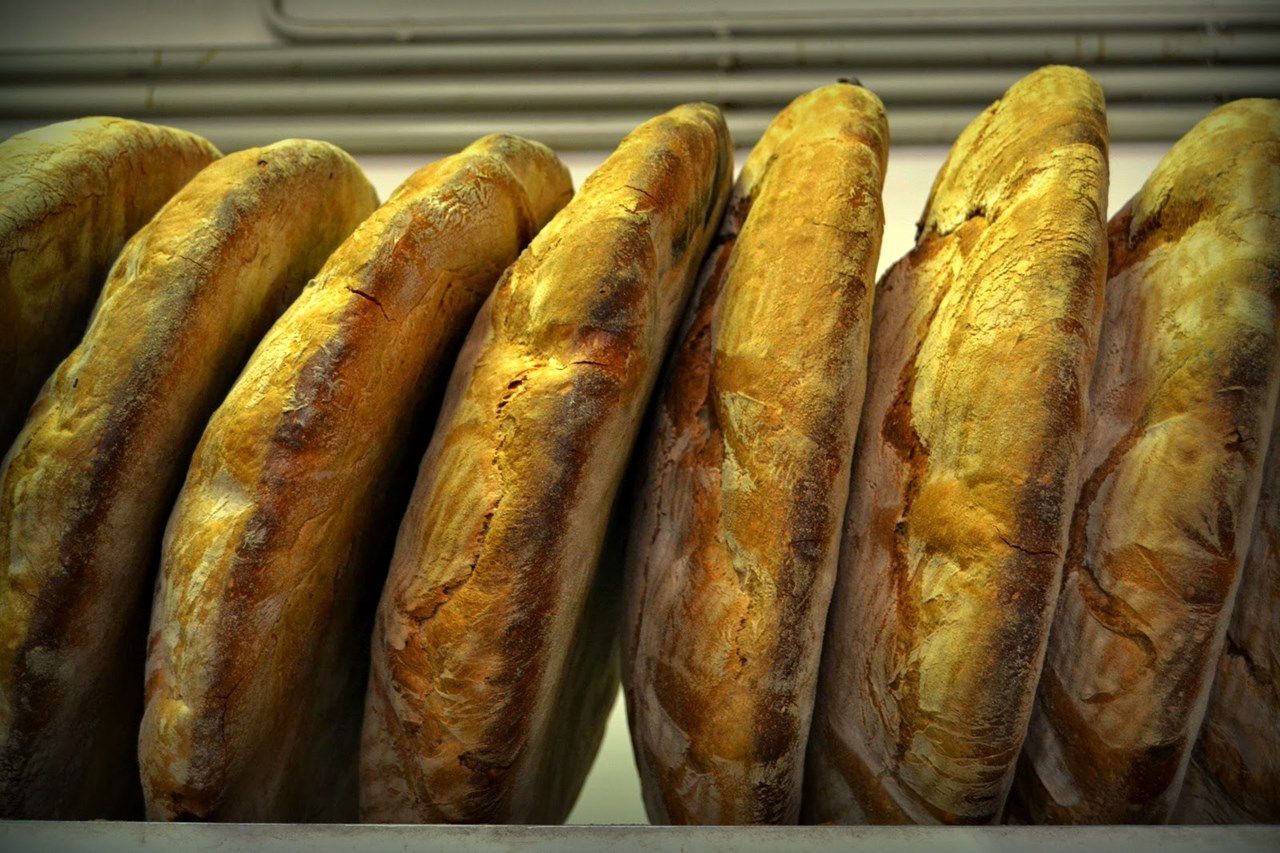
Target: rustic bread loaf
(1180, 411)
(280, 531)
(1234, 774)
(737, 526)
(90, 480)
(983, 337)
(70, 195)
(491, 679)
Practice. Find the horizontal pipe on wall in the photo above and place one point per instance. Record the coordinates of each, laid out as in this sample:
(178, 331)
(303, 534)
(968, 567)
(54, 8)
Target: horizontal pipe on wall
(365, 133)
(618, 91)
(910, 50)
(796, 18)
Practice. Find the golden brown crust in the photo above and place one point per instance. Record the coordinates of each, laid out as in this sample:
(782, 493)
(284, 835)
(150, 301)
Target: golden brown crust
(1182, 402)
(982, 341)
(86, 488)
(483, 608)
(277, 529)
(70, 195)
(735, 538)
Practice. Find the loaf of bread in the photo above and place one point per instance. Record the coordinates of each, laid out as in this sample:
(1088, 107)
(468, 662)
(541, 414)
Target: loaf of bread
(1181, 408)
(280, 532)
(982, 342)
(737, 526)
(1234, 774)
(70, 195)
(85, 491)
(492, 676)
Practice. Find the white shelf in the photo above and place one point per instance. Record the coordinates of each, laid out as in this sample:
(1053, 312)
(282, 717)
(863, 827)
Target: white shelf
(107, 837)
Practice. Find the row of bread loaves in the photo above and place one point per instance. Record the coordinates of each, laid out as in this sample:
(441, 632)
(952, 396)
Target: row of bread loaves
(267, 574)
(963, 546)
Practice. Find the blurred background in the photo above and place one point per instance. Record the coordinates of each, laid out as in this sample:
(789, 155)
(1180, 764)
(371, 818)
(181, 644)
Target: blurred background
(398, 83)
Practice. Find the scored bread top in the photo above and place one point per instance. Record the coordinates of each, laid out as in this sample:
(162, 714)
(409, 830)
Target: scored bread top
(982, 341)
(738, 522)
(1181, 410)
(70, 195)
(273, 545)
(91, 478)
(474, 712)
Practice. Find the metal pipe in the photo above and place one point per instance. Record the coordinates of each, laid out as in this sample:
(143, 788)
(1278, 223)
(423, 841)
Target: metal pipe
(889, 50)
(601, 92)
(376, 134)
(798, 18)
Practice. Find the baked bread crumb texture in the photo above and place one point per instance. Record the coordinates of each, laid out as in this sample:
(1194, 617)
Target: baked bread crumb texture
(315, 509)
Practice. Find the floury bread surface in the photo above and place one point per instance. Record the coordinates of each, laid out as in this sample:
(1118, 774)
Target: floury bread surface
(1181, 410)
(982, 341)
(85, 491)
(737, 527)
(70, 195)
(1234, 774)
(285, 522)
(494, 652)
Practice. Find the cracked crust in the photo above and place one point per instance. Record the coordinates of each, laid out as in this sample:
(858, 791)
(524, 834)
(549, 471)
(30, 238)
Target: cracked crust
(493, 665)
(284, 523)
(70, 195)
(734, 542)
(85, 491)
(983, 337)
(1181, 409)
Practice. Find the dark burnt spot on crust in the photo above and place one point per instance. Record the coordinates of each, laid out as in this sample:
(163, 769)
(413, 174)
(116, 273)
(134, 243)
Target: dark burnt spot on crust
(723, 176)
(615, 322)
(687, 376)
(1119, 253)
(1166, 224)
(667, 180)
(775, 731)
(1151, 773)
(68, 590)
(1237, 441)
(1084, 127)
(722, 239)
(490, 790)
(680, 244)
(489, 767)
(1239, 651)
(770, 801)
(307, 421)
(811, 529)
(1041, 509)
(183, 808)
(305, 427)
(529, 538)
